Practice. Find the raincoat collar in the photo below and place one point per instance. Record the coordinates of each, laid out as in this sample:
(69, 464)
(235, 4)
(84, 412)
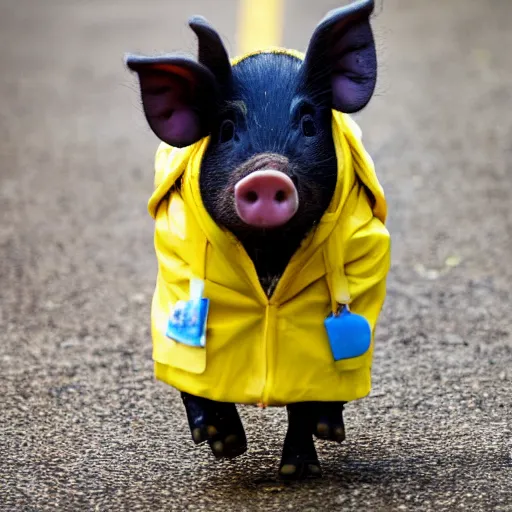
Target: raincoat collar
(354, 163)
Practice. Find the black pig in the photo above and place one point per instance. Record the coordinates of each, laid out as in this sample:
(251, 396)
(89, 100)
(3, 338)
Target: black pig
(268, 174)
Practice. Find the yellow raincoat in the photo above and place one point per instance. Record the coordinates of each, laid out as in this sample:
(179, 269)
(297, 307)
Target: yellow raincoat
(258, 349)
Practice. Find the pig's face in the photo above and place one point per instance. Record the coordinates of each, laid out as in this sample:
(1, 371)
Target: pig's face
(270, 168)
(271, 162)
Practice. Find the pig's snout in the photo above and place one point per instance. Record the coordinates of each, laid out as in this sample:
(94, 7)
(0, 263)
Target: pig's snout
(266, 199)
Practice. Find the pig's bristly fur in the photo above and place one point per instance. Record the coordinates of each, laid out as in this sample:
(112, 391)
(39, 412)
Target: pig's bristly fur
(266, 100)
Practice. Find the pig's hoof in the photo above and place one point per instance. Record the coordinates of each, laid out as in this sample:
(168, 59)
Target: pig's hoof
(218, 423)
(230, 441)
(299, 471)
(203, 433)
(330, 432)
(299, 461)
(299, 467)
(228, 447)
(329, 425)
(201, 417)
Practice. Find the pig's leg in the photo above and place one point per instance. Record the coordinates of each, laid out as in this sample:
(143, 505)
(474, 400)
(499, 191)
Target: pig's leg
(329, 421)
(299, 459)
(215, 422)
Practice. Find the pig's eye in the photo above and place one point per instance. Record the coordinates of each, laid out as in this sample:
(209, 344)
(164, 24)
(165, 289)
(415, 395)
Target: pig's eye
(304, 116)
(227, 131)
(308, 126)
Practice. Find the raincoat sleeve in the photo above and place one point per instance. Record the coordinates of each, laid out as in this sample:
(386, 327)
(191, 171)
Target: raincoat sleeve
(366, 266)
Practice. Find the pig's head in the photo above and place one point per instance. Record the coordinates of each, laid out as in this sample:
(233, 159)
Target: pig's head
(270, 167)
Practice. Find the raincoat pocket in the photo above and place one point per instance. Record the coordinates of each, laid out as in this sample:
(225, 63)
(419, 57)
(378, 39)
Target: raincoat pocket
(350, 338)
(177, 355)
(166, 350)
(354, 363)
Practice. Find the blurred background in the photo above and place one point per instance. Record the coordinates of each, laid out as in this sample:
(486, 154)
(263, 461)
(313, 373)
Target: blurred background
(83, 425)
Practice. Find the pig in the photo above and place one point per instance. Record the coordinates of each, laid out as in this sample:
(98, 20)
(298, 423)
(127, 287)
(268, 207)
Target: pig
(268, 174)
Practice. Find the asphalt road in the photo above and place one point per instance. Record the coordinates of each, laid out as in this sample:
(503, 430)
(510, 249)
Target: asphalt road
(83, 424)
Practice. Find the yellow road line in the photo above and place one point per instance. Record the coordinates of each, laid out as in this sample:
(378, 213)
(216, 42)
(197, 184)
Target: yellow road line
(260, 24)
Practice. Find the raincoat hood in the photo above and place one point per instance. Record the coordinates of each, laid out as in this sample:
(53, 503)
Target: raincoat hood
(259, 349)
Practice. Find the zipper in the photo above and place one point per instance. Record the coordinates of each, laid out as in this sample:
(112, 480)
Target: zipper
(269, 334)
(249, 272)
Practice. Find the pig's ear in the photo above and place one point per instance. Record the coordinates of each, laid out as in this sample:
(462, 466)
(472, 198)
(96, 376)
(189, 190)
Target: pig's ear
(178, 95)
(341, 55)
(211, 52)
